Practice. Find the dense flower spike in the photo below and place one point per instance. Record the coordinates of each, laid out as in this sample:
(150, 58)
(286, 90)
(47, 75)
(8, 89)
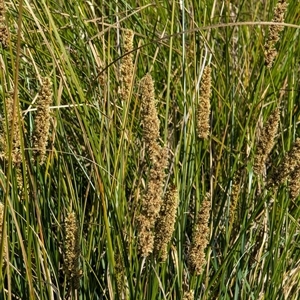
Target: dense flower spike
(165, 223)
(3, 27)
(274, 31)
(120, 275)
(12, 133)
(196, 258)
(158, 156)
(295, 183)
(42, 120)
(127, 66)
(289, 164)
(266, 142)
(72, 249)
(150, 119)
(188, 295)
(151, 204)
(203, 111)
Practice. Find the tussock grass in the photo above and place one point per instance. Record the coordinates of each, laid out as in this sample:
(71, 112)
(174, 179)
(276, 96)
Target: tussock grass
(95, 163)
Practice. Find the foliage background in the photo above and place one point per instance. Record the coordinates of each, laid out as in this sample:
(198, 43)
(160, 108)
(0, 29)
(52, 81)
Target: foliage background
(96, 164)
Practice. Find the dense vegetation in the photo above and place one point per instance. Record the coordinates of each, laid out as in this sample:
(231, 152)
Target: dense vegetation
(86, 148)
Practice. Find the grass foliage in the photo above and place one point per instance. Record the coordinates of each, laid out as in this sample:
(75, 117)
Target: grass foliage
(96, 165)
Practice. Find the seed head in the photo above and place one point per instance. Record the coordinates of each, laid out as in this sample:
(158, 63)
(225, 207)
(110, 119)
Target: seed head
(150, 121)
(151, 203)
(72, 249)
(266, 142)
(203, 111)
(188, 295)
(127, 66)
(3, 27)
(294, 184)
(196, 259)
(274, 33)
(165, 223)
(288, 165)
(12, 132)
(42, 120)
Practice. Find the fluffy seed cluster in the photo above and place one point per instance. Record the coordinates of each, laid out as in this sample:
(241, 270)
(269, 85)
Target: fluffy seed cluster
(127, 66)
(165, 223)
(150, 121)
(158, 156)
(72, 249)
(203, 110)
(12, 132)
(3, 27)
(274, 33)
(151, 204)
(42, 120)
(294, 184)
(266, 142)
(288, 167)
(188, 295)
(196, 256)
(2, 234)
(120, 275)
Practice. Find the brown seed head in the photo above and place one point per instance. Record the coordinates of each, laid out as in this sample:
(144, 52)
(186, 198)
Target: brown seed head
(3, 27)
(266, 142)
(120, 275)
(12, 132)
(165, 223)
(274, 33)
(287, 166)
(203, 111)
(188, 295)
(151, 203)
(196, 259)
(294, 184)
(72, 249)
(150, 119)
(42, 120)
(158, 156)
(127, 66)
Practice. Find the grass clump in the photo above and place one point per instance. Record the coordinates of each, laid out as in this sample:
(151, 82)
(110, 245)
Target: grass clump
(104, 168)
